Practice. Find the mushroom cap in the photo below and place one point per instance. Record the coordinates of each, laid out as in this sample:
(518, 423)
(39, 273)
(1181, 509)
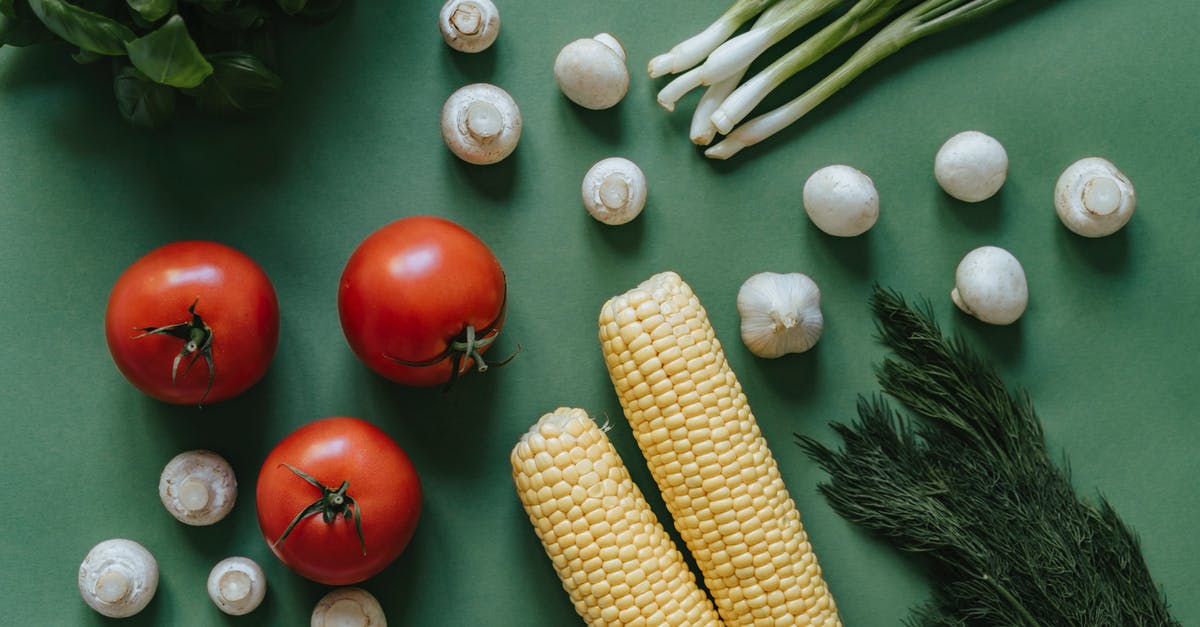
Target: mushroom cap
(1093, 198)
(971, 166)
(841, 201)
(237, 585)
(990, 285)
(780, 313)
(469, 25)
(614, 190)
(198, 487)
(591, 72)
(348, 607)
(118, 578)
(481, 123)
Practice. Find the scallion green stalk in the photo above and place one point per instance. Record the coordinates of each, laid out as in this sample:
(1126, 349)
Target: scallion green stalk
(694, 49)
(927, 18)
(736, 54)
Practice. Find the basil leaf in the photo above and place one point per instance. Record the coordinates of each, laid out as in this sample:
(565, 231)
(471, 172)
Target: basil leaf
(169, 56)
(240, 83)
(236, 18)
(291, 7)
(152, 10)
(141, 101)
(88, 30)
(83, 57)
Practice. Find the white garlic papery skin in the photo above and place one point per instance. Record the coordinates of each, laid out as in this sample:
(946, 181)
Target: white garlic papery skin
(971, 166)
(198, 487)
(237, 585)
(1093, 198)
(348, 607)
(781, 313)
(469, 25)
(614, 190)
(118, 578)
(990, 285)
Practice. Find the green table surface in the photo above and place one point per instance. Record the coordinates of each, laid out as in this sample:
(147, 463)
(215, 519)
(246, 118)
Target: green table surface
(1107, 348)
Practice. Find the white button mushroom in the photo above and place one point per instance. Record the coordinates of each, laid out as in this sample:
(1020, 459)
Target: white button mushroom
(198, 487)
(1093, 198)
(348, 607)
(237, 585)
(989, 284)
(469, 25)
(118, 578)
(614, 190)
(592, 73)
(971, 166)
(841, 201)
(481, 123)
(781, 313)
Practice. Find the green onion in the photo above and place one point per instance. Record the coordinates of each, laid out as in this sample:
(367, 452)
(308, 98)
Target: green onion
(692, 50)
(925, 19)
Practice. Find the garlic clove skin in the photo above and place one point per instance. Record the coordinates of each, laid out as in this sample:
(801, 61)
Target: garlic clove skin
(780, 313)
(971, 166)
(481, 123)
(1093, 198)
(237, 585)
(614, 191)
(469, 25)
(348, 607)
(591, 72)
(118, 578)
(990, 285)
(841, 201)
(198, 487)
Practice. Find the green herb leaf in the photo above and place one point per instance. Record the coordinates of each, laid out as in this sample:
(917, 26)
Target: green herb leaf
(141, 101)
(292, 7)
(152, 10)
(83, 57)
(236, 17)
(169, 56)
(88, 30)
(240, 83)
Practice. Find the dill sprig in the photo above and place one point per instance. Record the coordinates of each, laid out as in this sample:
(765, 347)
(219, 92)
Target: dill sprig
(967, 482)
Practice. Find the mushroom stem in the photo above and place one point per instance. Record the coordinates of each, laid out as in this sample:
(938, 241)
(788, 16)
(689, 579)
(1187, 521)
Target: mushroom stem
(483, 120)
(347, 613)
(193, 494)
(234, 586)
(614, 191)
(467, 18)
(612, 43)
(112, 586)
(1101, 196)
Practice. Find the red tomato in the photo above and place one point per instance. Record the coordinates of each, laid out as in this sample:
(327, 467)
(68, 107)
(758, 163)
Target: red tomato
(379, 490)
(421, 299)
(193, 322)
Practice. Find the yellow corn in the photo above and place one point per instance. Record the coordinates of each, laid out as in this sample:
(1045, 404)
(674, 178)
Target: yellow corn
(704, 449)
(614, 558)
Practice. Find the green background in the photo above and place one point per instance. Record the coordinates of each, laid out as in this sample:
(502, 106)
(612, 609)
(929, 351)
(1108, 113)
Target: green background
(1106, 349)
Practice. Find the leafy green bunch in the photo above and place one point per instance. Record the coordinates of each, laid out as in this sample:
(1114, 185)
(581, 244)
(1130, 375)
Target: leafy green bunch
(220, 53)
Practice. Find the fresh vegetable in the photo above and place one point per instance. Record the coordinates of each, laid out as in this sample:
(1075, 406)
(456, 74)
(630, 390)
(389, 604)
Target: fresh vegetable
(614, 190)
(338, 500)
(421, 300)
(118, 578)
(692, 50)
(193, 322)
(198, 487)
(967, 483)
(971, 166)
(220, 53)
(348, 607)
(481, 123)
(780, 313)
(710, 461)
(237, 585)
(921, 21)
(614, 558)
(469, 25)
(841, 201)
(989, 284)
(591, 72)
(1093, 198)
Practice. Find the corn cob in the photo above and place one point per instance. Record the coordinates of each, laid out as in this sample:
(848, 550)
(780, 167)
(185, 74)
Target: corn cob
(615, 560)
(709, 459)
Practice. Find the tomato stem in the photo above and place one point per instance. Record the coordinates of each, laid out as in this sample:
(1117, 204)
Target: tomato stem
(330, 505)
(197, 339)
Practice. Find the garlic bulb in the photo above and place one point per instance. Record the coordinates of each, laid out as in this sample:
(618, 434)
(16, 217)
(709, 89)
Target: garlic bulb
(781, 313)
